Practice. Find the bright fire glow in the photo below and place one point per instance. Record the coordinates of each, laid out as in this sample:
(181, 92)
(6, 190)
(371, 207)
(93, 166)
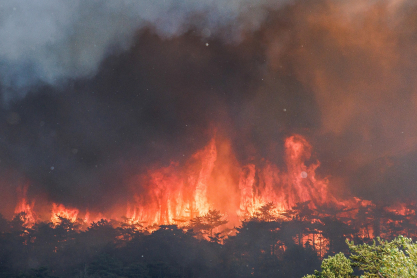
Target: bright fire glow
(59, 211)
(174, 194)
(213, 179)
(28, 217)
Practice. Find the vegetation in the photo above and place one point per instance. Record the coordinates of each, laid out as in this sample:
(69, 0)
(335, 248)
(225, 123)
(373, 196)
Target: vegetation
(382, 259)
(118, 250)
(262, 246)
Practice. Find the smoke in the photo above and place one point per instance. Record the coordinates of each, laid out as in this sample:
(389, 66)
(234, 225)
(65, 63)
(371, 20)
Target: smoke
(358, 58)
(44, 42)
(117, 87)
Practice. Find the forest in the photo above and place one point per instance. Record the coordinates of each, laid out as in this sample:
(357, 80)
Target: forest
(265, 245)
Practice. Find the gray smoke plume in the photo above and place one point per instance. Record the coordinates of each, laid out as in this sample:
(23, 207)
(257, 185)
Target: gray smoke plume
(50, 42)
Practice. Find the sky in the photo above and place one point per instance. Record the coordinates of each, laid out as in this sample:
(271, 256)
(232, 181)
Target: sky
(93, 93)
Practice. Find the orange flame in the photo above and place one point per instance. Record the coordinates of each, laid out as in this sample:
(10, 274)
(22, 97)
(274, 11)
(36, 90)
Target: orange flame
(23, 206)
(174, 194)
(213, 179)
(59, 211)
(284, 189)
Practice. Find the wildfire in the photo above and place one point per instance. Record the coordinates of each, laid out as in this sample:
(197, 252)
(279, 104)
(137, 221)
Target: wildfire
(285, 189)
(174, 194)
(24, 208)
(213, 179)
(59, 212)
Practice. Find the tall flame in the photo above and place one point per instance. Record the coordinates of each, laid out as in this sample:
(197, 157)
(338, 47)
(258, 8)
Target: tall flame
(213, 179)
(174, 194)
(28, 217)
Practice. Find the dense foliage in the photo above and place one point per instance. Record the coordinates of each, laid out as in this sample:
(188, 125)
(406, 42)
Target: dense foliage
(262, 246)
(122, 250)
(382, 259)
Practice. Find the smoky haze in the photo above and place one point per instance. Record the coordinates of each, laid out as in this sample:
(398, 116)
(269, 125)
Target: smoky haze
(44, 42)
(94, 93)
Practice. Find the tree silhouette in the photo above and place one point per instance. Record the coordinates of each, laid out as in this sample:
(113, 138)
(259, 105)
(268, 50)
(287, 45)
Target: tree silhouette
(204, 225)
(265, 213)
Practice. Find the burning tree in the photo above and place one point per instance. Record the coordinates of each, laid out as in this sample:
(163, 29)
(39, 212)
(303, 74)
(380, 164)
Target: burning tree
(274, 214)
(204, 225)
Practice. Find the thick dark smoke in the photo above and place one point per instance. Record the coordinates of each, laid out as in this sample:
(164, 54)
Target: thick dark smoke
(95, 93)
(359, 60)
(44, 42)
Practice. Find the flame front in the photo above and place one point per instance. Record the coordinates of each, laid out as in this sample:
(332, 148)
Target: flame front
(213, 179)
(174, 195)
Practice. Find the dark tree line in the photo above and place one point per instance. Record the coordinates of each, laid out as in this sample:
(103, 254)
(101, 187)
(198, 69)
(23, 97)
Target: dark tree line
(262, 246)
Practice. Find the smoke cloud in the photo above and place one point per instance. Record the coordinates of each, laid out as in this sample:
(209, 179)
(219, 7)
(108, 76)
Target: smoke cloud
(359, 60)
(118, 87)
(44, 42)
